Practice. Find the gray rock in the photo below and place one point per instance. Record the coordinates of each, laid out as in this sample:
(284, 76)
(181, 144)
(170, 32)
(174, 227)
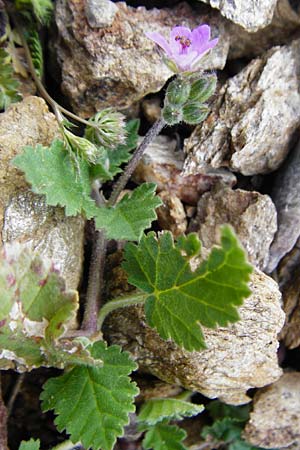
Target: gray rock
(252, 215)
(100, 13)
(23, 215)
(275, 419)
(118, 65)
(253, 119)
(162, 164)
(237, 358)
(286, 196)
(290, 333)
(252, 15)
(285, 22)
(171, 214)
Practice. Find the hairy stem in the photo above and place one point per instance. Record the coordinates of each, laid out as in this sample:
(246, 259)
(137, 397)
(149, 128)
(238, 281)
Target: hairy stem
(131, 166)
(117, 303)
(14, 393)
(96, 270)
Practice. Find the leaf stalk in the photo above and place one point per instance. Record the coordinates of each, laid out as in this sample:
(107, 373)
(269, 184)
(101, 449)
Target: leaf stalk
(120, 302)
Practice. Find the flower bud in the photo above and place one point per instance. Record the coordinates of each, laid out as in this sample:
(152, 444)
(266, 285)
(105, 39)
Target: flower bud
(194, 112)
(178, 91)
(108, 129)
(172, 114)
(203, 89)
(83, 147)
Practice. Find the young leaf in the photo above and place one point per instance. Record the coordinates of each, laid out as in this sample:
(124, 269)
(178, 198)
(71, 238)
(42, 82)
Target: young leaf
(35, 313)
(42, 9)
(131, 216)
(52, 172)
(36, 51)
(179, 298)
(121, 154)
(158, 409)
(8, 84)
(93, 403)
(164, 437)
(226, 430)
(219, 410)
(30, 445)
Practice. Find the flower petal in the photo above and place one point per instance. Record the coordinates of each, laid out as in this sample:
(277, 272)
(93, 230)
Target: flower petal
(205, 49)
(200, 35)
(184, 61)
(160, 40)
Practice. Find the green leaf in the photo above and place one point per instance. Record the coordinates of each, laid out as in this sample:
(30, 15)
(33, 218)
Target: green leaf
(36, 51)
(158, 409)
(35, 313)
(218, 410)
(164, 437)
(110, 162)
(131, 216)
(42, 9)
(179, 298)
(52, 172)
(8, 84)
(226, 429)
(93, 403)
(30, 445)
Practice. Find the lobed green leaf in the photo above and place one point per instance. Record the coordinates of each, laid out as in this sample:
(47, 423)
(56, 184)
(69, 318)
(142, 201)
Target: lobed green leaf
(164, 437)
(52, 172)
(180, 299)
(93, 403)
(131, 216)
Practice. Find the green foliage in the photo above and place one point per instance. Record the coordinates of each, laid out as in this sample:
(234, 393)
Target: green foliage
(179, 298)
(228, 425)
(52, 172)
(129, 218)
(30, 445)
(159, 409)
(41, 9)
(164, 437)
(66, 182)
(93, 403)
(111, 160)
(36, 51)
(8, 84)
(33, 328)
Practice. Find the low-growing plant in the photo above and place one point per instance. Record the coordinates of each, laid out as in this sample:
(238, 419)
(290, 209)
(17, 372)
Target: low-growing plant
(94, 396)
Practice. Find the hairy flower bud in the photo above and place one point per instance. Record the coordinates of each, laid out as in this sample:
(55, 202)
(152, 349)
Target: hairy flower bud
(194, 112)
(203, 88)
(83, 147)
(178, 91)
(172, 114)
(108, 129)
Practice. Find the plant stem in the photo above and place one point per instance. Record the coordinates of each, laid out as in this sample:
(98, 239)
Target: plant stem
(131, 166)
(120, 302)
(96, 269)
(14, 393)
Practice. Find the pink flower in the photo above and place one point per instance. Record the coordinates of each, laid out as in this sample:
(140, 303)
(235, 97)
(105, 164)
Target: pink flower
(185, 47)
